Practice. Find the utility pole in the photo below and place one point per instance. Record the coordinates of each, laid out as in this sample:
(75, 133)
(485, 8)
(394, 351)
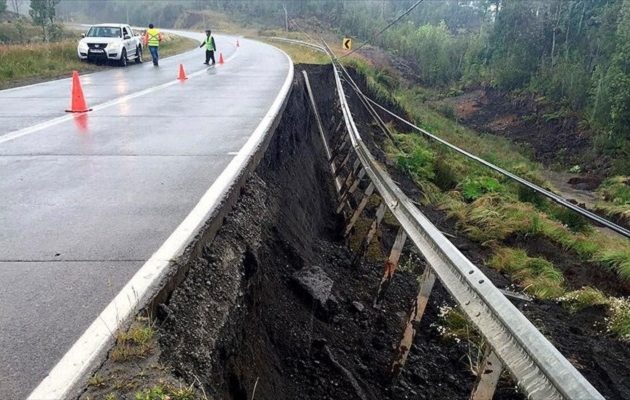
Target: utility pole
(286, 18)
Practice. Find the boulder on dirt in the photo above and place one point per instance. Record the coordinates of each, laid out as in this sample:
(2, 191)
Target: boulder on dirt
(314, 284)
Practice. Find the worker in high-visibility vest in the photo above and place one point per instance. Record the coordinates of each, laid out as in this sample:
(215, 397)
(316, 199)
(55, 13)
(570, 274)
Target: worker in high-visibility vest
(152, 39)
(210, 47)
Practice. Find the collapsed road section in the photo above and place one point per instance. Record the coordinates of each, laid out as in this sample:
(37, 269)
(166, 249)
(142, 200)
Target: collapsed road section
(280, 305)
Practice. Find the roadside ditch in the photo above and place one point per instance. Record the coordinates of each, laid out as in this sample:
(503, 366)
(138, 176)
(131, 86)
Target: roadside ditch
(274, 309)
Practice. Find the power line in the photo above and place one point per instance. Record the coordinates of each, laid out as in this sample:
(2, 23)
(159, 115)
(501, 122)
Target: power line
(379, 33)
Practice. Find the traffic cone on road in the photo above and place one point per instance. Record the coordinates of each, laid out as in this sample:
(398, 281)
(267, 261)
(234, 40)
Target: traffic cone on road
(221, 58)
(182, 73)
(77, 104)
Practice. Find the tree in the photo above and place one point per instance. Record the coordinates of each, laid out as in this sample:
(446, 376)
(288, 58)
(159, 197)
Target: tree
(43, 14)
(619, 76)
(15, 5)
(3, 6)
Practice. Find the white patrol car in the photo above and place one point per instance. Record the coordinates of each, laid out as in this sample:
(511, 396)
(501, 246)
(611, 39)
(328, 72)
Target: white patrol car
(106, 42)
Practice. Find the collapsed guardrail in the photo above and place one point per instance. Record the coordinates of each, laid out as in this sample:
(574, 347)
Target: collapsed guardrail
(539, 369)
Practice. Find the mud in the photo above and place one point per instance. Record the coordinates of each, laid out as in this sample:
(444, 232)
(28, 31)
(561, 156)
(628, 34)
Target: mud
(554, 139)
(239, 327)
(274, 340)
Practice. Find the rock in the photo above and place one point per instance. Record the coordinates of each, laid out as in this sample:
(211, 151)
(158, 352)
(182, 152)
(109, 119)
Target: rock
(358, 306)
(314, 283)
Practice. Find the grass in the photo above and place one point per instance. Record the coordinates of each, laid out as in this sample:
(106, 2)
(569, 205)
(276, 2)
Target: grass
(618, 320)
(488, 207)
(166, 392)
(615, 195)
(136, 342)
(36, 62)
(454, 326)
(300, 54)
(580, 299)
(535, 275)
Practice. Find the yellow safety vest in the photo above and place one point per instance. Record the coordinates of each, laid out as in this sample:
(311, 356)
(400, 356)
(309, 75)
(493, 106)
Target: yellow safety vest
(153, 37)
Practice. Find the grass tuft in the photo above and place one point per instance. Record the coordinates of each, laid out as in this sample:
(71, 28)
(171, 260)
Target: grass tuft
(535, 275)
(617, 259)
(136, 342)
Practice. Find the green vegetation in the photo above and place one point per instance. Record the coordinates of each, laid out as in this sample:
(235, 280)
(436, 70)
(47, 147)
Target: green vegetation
(136, 342)
(579, 299)
(300, 54)
(27, 63)
(489, 208)
(615, 194)
(166, 392)
(537, 276)
(618, 320)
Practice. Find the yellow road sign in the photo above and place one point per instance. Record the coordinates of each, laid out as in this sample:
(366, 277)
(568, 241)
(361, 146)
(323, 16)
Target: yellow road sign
(347, 43)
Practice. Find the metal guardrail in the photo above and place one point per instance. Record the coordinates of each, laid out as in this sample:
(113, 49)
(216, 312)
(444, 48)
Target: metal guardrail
(540, 370)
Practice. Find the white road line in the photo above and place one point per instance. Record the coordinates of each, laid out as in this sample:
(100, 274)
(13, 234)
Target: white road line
(64, 378)
(56, 121)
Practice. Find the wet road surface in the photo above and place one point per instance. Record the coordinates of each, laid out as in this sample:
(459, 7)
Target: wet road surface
(86, 200)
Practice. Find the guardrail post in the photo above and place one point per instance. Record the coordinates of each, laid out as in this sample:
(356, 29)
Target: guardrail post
(415, 315)
(337, 170)
(360, 207)
(353, 184)
(339, 148)
(390, 266)
(488, 376)
(365, 243)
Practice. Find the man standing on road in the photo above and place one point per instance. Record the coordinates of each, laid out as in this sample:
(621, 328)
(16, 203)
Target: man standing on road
(210, 47)
(152, 39)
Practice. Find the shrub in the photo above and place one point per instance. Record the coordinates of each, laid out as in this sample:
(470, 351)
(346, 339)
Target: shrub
(473, 188)
(418, 163)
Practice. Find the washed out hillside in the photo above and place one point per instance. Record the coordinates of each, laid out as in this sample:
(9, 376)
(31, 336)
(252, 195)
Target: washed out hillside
(315, 199)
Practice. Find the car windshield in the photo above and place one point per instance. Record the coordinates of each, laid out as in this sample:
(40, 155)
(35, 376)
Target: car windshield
(104, 31)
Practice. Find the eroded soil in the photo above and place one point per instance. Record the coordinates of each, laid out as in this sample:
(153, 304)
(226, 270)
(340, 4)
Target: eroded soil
(239, 327)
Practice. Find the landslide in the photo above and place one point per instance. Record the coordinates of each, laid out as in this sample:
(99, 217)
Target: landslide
(241, 327)
(240, 323)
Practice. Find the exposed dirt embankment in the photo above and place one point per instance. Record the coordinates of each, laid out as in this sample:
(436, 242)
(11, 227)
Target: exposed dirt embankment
(555, 138)
(278, 335)
(274, 308)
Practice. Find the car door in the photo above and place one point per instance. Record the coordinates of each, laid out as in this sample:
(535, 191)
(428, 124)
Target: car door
(127, 41)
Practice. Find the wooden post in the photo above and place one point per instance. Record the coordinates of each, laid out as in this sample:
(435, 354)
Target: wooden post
(415, 315)
(365, 243)
(359, 210)
(337, 170)
(488, 376)
(390, 266)
(346, 195)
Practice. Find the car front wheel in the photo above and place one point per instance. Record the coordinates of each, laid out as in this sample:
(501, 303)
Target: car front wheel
(139, 55)
(123, 58)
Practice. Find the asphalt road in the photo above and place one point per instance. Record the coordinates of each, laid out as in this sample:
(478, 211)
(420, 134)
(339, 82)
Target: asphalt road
(85, 201)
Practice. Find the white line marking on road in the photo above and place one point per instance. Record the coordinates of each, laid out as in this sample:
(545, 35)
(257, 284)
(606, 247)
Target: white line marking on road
(97, 339)
(56, 121)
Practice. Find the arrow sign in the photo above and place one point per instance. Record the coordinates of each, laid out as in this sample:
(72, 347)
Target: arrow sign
(347, 43)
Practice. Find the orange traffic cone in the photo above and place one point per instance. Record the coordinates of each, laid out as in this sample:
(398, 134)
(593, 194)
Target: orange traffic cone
(182, 74)
(78, 104)
(221, 58)
(237, 43)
